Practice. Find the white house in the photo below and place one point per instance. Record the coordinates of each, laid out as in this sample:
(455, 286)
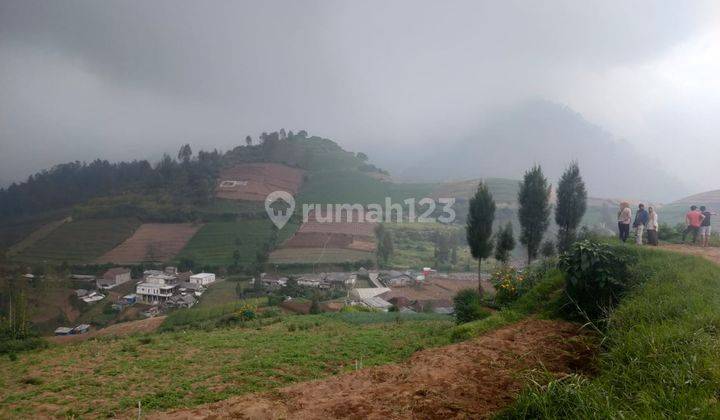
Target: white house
(156, 288)
(202, 278)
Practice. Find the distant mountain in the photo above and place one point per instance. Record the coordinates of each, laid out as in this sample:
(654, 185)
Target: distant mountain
(551, 135)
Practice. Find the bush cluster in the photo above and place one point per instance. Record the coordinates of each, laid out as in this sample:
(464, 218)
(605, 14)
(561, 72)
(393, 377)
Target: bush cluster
(597, 274)
(468, 306)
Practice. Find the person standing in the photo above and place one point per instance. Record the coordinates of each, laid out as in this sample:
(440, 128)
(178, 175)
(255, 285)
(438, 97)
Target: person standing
(641, 220)
(652, 227)
(705, 226)
(624, 218)
(693, 219)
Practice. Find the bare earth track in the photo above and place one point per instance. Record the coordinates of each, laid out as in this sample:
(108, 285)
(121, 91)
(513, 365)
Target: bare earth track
(710, 253)
(473, 379)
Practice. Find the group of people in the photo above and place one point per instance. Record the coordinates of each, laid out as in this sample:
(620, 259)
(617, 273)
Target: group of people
(645, 221)
(697, 223)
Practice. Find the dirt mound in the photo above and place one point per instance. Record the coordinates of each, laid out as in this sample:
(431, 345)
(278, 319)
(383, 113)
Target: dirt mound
(467, 380)
(115, 330)
(254, 181)
(152, 242)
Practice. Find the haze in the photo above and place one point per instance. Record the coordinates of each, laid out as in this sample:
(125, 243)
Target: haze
(130, 80)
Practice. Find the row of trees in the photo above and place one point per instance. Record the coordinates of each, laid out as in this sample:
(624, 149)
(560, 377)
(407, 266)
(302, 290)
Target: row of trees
(533, 214)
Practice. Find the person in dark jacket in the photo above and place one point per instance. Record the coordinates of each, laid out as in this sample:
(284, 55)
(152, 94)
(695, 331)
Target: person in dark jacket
(641, 220)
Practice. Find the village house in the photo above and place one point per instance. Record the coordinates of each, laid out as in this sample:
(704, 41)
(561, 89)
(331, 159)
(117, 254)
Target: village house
(202, 279)
(181, 301)
(113, 277)
(157, 287)
(194, 288)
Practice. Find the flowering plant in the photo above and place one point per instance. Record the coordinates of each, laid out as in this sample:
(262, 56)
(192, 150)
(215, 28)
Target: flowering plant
(508, 284)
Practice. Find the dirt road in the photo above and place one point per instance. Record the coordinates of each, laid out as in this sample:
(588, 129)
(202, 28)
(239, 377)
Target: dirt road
(711, 253)
(467, 380)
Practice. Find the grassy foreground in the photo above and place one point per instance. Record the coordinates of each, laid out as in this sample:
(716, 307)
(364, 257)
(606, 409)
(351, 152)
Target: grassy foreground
(661, 355)
(107, 377)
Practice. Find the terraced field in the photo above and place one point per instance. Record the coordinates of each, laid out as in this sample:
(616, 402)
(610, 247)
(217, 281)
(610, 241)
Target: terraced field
(152, 242)
(80, 241)
(216, 242)
(318, 256)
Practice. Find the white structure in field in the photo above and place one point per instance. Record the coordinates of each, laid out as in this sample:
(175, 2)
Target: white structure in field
(156, 288)
(202, 278)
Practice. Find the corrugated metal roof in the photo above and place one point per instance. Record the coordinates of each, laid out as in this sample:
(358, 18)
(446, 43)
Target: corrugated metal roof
(367, 292)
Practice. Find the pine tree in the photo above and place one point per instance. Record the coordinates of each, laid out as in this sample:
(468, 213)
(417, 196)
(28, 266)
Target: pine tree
(479, 226)
(571, 206)
(504, 243)
(534, 211)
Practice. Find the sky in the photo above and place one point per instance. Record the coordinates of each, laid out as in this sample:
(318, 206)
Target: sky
(131, 79)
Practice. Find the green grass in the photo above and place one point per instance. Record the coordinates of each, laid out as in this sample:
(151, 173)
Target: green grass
(660, 356)
(101, 378)
(220, 293)
(80, 241)
(215, 242)
(201, 316)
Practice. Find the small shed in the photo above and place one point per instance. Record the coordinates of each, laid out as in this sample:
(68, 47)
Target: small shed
(81, 329)
(63, 331)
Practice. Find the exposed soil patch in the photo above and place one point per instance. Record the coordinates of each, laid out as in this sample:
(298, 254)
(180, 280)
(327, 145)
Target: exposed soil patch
(254, 181)
(115, 330)
(152, 242)
(473, 379)
(711, 253)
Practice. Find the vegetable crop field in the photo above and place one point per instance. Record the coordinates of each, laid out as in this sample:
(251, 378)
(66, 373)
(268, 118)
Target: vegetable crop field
(216, 242)
(80, 241)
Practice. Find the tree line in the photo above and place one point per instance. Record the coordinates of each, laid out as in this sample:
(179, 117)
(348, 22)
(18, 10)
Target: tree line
(533, 214)
(187, 178)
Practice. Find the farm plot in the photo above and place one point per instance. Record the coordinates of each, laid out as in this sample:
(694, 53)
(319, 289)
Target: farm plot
(332, 242)
(152, 242)
(318, 256)
(79, 241)
(254, 181)
(216, 242)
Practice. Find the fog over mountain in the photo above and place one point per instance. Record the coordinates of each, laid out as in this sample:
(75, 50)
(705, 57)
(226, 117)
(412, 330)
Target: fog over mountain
(552, 135)
(82, 79)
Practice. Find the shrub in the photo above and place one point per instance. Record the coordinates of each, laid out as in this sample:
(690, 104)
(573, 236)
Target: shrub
(507, 282)
(17, 346)
(468, 306)
(596, 276)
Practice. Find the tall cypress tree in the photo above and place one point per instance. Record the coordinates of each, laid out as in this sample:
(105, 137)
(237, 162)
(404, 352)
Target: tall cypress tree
(534, 211)
(479, 226)
(571, 206)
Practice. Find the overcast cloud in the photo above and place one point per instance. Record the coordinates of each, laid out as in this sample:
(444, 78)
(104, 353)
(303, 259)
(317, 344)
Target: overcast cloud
(134, 79)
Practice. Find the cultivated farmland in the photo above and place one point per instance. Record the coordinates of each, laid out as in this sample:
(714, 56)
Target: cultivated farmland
(331, 242)
(254, 181)
(216, 242)
(152, 242)
(318, 256)
(80, 241)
